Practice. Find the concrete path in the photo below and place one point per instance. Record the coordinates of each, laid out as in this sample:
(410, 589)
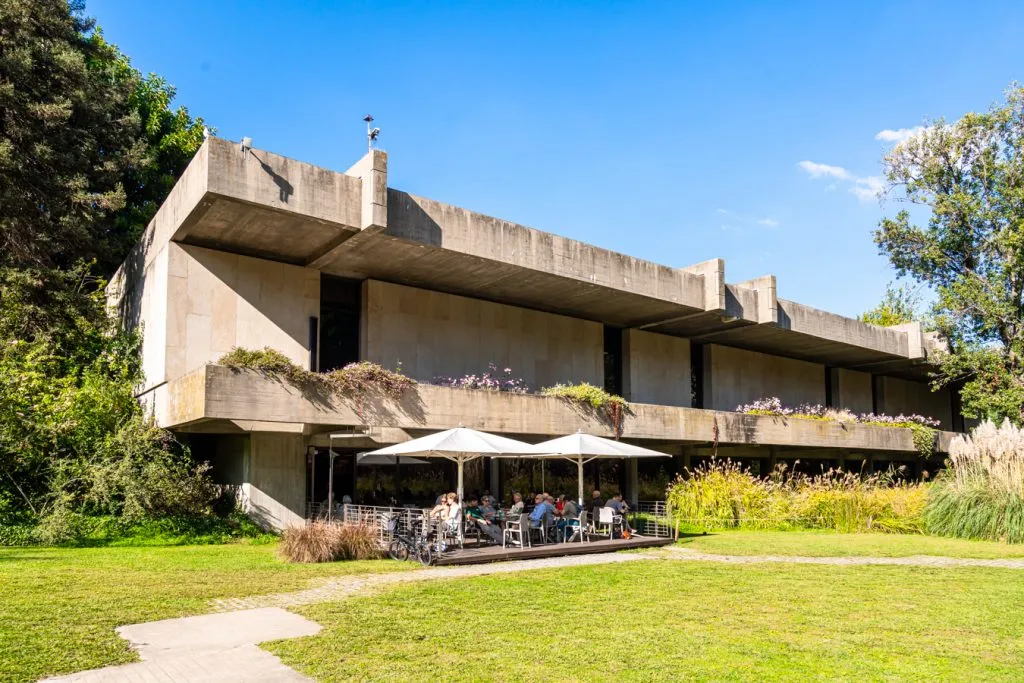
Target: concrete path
(208, 648)
(677, 553)
(351, 585)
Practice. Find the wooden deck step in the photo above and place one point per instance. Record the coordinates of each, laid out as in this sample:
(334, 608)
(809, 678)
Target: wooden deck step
(482, 555)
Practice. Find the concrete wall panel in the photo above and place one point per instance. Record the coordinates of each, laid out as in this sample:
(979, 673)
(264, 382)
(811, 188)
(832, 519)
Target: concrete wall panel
(852, 390)
(902, 396)
(736, 376)
(216, 301)
(656, 368)
(433, 334)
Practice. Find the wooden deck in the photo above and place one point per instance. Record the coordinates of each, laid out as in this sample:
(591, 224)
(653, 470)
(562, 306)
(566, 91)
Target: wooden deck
(491, 553)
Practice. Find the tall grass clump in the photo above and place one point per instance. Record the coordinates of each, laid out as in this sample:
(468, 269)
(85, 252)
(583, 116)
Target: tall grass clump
(721, 494)
(980, 495)
(325, 542)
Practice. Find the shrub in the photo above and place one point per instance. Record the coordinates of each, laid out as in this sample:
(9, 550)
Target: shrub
(326, 542)
(353, 380)
(980, 495)
(587, 395)
(722, 494)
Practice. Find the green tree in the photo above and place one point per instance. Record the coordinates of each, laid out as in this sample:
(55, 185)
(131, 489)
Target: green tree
(899, 305)
(88, 147)
(968, 176)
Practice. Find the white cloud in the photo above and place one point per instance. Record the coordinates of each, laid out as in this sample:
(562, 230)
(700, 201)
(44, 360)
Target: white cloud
(865, 188)
(898, 135)
(737, 220)
(868, 189)
(820, 170)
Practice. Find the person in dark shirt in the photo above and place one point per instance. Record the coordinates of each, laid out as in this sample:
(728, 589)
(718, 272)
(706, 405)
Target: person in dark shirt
(476, 515)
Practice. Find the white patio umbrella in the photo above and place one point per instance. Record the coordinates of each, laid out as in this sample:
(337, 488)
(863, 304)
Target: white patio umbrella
(460, 445)
(582, 448)
(371, 459)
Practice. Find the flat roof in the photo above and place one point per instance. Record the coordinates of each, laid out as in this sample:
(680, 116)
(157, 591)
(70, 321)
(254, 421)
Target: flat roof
(353, 225)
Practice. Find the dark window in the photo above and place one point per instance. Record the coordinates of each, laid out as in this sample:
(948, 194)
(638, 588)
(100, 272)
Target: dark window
(829, 400)
(697, 375)
(613, 360)
(341, 303)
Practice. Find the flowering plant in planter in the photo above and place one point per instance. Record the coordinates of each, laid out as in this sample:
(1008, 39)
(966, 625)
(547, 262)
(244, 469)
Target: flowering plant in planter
(492, 379)
(924, 428)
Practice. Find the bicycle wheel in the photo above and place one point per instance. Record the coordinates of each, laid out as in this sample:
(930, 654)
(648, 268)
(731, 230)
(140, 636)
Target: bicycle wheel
(398, 550)
(425, 555)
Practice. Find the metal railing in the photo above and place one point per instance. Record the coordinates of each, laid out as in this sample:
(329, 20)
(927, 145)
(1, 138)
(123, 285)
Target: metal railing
(651, 518)
(648, 517)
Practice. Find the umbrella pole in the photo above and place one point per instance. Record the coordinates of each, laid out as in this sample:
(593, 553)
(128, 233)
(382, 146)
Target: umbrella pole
(579, 463)
(458, 489)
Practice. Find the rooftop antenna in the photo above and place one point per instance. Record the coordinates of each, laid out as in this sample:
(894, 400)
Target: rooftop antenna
(371, 133)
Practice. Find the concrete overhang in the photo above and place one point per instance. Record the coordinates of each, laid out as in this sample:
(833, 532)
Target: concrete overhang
(352, 225)
(222, 395)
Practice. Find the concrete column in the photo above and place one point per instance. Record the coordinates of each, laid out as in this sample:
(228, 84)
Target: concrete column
(494, 475)
(773, 459)
(275, 480)
(632, 481)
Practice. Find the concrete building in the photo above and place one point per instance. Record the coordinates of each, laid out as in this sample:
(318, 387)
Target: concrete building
(257, 250)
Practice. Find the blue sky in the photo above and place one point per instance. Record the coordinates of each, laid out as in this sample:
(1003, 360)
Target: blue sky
(669, 131)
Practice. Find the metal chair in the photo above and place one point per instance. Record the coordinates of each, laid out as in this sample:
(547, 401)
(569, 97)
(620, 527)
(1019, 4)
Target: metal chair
(545, 530)
(519, 528)
(577, 527)
(606, 520)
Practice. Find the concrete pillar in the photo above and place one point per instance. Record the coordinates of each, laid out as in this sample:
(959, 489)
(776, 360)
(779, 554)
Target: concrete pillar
(869, 464)
(632, 481)
(494, 475)
(274, 487)
(773, 459)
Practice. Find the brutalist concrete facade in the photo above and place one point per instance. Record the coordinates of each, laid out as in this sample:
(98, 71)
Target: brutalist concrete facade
(256, 250)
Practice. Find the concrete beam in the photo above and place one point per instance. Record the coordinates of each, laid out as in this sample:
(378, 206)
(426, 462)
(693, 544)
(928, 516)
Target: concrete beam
(246, 395)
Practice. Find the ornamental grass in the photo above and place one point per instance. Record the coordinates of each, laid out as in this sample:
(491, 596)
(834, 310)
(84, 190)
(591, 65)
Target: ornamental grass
(980, 495)
(326, 542)
(722, 494)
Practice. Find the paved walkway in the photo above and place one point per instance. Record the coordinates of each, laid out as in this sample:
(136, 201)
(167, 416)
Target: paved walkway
(207, 649)
(677, 553)
(351, 585)
(224, 646)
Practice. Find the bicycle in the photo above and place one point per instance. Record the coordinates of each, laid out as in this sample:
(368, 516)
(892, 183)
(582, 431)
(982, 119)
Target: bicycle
(405, 546)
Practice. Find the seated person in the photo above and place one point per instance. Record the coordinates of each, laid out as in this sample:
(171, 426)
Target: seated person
(475, 516)
(517, 505)
(454, 513)
(621, 508)
(440, 509)
(541, 507)
(487, 508)
(569, 509)
(595, 504)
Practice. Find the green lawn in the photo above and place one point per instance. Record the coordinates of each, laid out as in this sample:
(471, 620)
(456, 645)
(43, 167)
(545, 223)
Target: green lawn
(669, 620)
(658, 619)
(59, 607)
(831, 544)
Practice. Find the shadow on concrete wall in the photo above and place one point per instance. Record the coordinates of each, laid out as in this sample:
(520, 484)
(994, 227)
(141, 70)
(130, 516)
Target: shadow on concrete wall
(284, 188)
(282, 316)
(407, 220)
